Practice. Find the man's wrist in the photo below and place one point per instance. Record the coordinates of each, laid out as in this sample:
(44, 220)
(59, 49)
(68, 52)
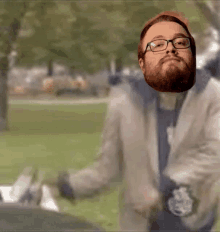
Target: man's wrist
(66, 190)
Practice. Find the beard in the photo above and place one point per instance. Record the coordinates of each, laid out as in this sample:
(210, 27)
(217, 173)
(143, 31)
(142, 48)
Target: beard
(172, 78)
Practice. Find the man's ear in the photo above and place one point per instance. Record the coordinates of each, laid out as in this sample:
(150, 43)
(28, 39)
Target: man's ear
(141, 64)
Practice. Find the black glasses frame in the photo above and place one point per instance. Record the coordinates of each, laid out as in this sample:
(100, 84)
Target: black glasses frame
(169, 40)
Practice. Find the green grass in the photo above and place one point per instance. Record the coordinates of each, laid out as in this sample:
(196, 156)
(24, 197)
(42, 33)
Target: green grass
(58, 137)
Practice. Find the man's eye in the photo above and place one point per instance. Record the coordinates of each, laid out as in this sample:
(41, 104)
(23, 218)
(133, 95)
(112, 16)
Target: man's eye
(157, 45)
(181, 43)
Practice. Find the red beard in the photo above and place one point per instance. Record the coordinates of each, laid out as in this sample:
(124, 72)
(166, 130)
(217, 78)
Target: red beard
(173, 79)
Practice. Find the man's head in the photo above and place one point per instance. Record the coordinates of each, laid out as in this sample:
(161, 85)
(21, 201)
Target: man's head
(167, 67)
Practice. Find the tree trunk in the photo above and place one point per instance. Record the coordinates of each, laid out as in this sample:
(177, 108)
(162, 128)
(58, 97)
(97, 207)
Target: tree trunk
(50, 68)
(3, 94)
(8, 38)
(112, 65)
(119, 65)
(71, 71)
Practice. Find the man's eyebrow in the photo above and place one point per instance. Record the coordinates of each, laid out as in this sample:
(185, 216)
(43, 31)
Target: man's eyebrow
(175, 35)
(157, 37)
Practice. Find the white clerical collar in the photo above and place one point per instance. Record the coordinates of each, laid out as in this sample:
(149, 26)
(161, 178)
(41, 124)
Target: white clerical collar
(168, 100)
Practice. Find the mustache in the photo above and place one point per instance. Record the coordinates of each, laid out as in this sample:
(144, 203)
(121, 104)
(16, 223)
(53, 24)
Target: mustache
(171, 57)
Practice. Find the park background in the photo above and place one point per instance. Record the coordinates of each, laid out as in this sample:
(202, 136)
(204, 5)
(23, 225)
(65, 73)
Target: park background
(59, 60)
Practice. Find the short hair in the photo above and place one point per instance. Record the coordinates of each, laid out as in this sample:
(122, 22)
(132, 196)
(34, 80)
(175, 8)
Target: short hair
(166, 16)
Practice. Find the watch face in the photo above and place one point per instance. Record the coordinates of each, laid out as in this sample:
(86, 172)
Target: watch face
(181, 202)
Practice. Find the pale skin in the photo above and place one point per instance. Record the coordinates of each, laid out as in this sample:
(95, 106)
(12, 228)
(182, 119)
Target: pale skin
(165, 30)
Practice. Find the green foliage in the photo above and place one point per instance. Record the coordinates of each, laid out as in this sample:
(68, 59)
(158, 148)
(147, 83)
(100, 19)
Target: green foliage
(11, 15)
(85, 35)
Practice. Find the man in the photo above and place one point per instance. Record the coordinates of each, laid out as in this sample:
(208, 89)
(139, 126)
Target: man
(151, 138)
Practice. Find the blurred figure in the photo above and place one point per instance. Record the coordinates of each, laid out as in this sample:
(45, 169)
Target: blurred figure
(213, 65)
(48, 85)
(114, 79)
(163, 146)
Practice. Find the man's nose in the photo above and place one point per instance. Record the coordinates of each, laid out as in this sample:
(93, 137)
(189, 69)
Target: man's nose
(170, 47)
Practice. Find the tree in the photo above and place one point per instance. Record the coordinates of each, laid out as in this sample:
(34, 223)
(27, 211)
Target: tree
(89, 36)
(11, 17)
(40, 33)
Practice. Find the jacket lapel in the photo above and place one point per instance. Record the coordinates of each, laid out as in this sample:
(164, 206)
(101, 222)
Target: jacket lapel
(184, 121)
(151, 136)
(190, 105)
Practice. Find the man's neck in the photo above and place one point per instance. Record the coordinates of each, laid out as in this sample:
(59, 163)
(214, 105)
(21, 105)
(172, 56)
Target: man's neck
(168, 100)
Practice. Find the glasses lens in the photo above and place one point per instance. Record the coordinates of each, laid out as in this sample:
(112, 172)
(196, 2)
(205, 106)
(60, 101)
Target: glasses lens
(181, 43)
(158, 45)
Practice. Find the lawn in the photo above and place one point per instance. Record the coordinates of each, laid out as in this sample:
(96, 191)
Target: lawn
(58, 137)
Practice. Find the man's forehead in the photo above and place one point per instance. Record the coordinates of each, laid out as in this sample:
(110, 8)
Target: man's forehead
(166, 30)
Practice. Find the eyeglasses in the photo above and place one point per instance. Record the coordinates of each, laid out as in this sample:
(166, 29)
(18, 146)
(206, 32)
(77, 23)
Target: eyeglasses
(162, 44)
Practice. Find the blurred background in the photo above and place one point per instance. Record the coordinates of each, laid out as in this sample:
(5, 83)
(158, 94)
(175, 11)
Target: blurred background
(58, 61)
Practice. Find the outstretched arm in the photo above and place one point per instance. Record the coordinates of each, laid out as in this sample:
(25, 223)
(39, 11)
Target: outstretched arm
(91, 180)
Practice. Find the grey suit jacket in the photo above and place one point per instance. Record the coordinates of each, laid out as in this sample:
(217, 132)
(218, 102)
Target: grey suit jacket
(129, 151)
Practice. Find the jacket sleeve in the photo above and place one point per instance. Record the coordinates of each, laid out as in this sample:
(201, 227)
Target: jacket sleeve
(212, 124)
(106, 168)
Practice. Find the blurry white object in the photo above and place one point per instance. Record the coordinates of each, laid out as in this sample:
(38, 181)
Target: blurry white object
(22, 184)
(126, 71)
(47, 201)
(211, 51)
(200, 61)
(214, 47)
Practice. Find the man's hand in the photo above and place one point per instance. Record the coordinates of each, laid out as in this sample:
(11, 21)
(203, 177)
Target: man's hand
(152, 203)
